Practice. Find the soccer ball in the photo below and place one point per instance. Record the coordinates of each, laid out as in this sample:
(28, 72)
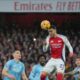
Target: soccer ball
(45, 24)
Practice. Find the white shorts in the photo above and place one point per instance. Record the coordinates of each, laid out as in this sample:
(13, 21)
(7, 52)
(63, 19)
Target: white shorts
(54, 63)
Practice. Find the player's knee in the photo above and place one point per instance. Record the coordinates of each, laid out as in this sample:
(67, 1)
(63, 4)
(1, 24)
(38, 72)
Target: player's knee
(43, 75)
(60, 73)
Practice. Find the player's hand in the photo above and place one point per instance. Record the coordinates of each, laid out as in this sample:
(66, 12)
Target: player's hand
(11, 77)
(71, 55)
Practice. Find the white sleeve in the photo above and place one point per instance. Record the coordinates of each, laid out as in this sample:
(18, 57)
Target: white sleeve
(76, 70)
(67, 43)
(45, 47)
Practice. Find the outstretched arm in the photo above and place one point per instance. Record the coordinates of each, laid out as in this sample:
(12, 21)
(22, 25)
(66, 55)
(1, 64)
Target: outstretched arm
(69, 73)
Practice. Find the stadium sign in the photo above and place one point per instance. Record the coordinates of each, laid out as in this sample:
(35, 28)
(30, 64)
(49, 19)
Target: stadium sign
(39, 6)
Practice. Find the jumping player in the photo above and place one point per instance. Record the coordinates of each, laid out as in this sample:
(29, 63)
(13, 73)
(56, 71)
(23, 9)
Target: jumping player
(56, 43)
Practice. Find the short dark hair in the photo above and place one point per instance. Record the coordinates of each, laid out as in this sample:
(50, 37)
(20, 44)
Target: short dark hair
(53, 25)
(41, 55)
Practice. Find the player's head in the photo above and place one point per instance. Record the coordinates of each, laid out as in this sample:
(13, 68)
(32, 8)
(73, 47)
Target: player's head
(77, 61)
(42, 59)
(17, 55)
(52, 30)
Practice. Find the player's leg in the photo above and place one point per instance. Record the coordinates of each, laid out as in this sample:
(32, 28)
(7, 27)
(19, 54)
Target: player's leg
(60, 76)
(47, 69)
(60, 69)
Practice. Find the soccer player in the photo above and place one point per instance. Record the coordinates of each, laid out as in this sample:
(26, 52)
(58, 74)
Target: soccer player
(56, 43)
(14, 69)
(76, 71)
(36, 70)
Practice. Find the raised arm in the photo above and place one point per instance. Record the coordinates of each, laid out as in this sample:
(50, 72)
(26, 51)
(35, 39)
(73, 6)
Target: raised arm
(46, 44)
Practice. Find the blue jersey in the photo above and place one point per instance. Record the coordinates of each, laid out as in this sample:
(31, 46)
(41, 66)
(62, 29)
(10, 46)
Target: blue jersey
(77, 71)
(35, 73)
(14, 68)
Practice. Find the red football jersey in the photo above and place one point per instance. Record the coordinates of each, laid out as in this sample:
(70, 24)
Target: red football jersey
(57, 46)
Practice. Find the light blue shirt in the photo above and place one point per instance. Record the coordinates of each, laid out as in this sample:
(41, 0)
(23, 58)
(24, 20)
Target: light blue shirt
(35, 73)
(14, 68)
(77, 71)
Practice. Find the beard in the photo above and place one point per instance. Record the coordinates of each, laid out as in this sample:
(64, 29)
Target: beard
(42, 63)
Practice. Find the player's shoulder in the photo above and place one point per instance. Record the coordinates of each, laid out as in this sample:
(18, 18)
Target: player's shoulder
(48, 36)
(62, 36)
(21, 63)
(36, 66)
(9, 62)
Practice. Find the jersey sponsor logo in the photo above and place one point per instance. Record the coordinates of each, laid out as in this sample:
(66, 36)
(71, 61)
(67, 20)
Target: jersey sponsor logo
(59, 40)
(51, 41)
(56, 45)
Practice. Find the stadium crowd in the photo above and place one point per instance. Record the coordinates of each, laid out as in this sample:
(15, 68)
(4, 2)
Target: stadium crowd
(29, 42)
